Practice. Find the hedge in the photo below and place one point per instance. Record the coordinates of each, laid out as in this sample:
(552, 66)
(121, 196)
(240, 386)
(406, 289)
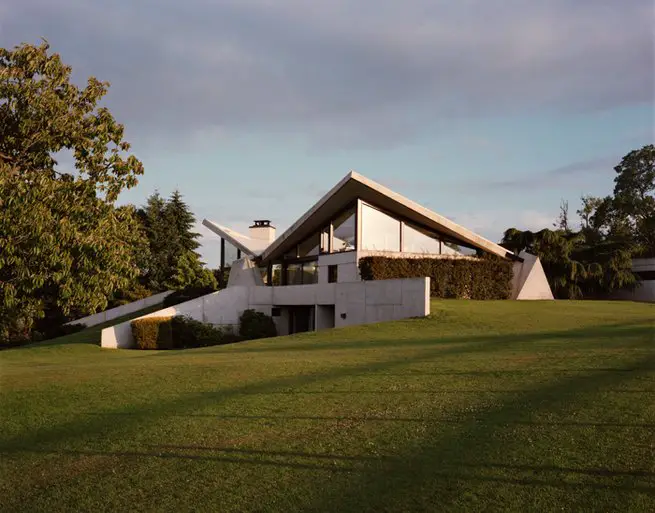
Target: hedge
(153, 333)
(488, 277)
(182, 332)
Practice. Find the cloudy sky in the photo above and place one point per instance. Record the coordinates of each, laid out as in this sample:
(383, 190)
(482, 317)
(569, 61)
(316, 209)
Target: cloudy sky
(487, 111)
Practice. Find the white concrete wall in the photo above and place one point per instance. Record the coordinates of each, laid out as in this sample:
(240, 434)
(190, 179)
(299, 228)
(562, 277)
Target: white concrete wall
(119, 311)
(347, 266)
(355, 303)
(384, 300)
(220, 308)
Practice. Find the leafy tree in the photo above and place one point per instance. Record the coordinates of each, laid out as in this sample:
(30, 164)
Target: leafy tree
(598, 258)
(63, 243)
(634, 196)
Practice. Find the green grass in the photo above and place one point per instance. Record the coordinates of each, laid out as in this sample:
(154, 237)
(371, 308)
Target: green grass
(495, 406)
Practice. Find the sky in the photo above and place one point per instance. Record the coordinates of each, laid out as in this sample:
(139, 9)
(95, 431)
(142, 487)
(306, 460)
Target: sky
(490, 112)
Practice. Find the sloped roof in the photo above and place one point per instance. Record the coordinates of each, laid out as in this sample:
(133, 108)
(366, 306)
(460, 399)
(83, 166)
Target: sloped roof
(248, 245)
(354, 186)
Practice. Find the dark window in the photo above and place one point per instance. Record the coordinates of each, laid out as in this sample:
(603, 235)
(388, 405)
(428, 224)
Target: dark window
(333, 271)
(302, 273)
(276, 311)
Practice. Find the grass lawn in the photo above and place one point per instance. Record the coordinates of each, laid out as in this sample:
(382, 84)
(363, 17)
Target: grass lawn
(495, 406)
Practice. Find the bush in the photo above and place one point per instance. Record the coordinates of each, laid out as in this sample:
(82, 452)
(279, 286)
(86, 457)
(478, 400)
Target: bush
(180, 296)
(188, 332)
(488, 277)
(153, 333)
(133, 293)
(253, 324)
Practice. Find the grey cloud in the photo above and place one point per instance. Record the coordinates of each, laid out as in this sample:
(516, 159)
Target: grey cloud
(551, 177)
(344, 73)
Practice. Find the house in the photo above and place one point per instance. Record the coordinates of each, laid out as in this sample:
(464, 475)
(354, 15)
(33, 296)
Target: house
(308, 278)
(356, 218)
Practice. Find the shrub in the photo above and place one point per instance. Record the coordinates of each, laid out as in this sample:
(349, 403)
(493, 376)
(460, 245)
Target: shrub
(188, 332)
(135, 292)
(153, 333)
(253, 324)
(180, 296)
(471, 278)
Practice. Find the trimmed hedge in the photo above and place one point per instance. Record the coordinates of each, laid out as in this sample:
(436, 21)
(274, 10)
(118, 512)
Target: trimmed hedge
(253, 324)
(471, 278)
(179, 332)
(153, 333)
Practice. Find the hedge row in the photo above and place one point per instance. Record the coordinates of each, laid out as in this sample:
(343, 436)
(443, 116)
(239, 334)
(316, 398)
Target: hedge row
(476, 278)
(181, 332)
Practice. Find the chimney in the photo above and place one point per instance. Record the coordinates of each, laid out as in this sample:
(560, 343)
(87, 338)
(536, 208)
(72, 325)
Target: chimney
(262, 230)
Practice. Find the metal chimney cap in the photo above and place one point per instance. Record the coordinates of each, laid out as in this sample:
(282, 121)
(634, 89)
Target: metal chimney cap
(262, 223)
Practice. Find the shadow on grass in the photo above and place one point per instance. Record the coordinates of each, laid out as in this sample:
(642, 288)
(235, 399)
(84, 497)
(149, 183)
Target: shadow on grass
(400, 480)
(621, 331)
(135, 414)
(438, 464)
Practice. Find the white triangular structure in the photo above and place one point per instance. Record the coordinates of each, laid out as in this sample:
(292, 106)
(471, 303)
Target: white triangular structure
(244, 273)
(529, 281)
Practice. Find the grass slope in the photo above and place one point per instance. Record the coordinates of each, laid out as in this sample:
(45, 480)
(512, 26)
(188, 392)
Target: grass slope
(498, 406)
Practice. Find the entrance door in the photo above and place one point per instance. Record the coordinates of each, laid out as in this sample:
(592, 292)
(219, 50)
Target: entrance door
(301, 319)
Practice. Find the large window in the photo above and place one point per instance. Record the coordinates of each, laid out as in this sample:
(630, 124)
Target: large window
(229, 254)
(344, 228)
(310, 246)
(417, 240)
(302, 273)
(380, 232)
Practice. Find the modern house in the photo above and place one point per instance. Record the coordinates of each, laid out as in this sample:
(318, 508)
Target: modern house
(308, 278)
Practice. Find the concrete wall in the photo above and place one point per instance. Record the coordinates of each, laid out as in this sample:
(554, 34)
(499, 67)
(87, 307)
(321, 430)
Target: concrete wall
(119, 311)
(220, 308)
(354, 303)
(529, 281)
(645, 291)
(347, 266)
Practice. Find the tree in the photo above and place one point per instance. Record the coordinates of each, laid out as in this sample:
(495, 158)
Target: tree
(173, 261)
(634, 196)
(63, 243)
(562, 222)
(181, 221)
(158, 233)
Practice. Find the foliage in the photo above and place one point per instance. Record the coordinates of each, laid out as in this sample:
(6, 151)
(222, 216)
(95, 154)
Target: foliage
(188, 271)
(188, 333)
(461, 278)
(597, 259)
(65, 247)
(187, 294)
(153, 333)
(254, 324)
(135, 292)
(173, 262)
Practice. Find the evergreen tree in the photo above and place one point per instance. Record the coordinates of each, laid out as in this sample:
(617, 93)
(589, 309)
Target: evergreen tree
(173, 261)
(159, 233)
(180, 221)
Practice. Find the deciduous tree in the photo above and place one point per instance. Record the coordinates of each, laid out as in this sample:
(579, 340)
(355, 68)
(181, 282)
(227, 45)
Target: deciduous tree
(63, 243)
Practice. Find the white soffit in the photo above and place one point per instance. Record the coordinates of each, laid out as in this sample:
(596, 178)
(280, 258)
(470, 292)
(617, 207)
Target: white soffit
(354, 185)
(249, 246)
